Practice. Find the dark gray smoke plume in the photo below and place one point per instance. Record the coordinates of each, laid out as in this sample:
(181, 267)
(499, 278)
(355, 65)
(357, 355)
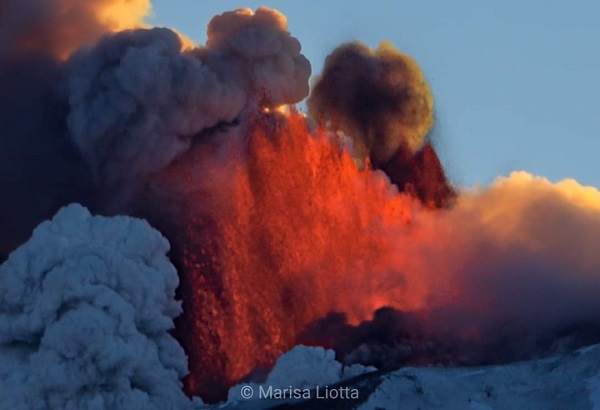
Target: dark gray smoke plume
(378, 97)
(91, 129)
(137, 101)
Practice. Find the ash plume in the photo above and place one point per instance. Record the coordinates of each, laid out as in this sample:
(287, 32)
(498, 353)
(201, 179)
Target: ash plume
(91, 129)
(255, 51)
(381, 100)
(137, 101)
(378, 97)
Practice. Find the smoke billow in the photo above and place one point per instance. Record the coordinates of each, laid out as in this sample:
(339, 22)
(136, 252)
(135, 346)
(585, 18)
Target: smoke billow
(261, 55)
(137, 101)
(381, 100)
(525, 248)
(303, 367)
(511, 273)
(85, 310)
(378, 97)
(92, 128)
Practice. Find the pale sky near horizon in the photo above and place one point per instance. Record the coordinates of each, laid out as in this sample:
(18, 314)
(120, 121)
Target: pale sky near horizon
(516, 83)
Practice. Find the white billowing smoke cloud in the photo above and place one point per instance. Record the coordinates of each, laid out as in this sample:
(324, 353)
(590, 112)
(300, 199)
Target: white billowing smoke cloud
(85, 310)
(137, 101)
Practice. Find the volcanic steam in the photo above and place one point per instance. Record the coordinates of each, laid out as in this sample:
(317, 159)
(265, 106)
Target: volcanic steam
(339, 228)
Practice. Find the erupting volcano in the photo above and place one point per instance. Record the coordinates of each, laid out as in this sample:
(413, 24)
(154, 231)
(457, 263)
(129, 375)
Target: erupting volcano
(337, 227)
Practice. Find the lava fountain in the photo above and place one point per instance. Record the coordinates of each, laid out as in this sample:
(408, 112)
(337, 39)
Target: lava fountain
(277, 235)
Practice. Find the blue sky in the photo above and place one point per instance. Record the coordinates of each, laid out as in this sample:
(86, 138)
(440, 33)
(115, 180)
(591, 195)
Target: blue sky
(516, 83)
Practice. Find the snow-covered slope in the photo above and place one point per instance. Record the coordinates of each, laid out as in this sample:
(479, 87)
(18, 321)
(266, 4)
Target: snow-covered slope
(567, 382)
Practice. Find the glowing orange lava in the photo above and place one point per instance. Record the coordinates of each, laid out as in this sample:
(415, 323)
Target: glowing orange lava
(289, 230)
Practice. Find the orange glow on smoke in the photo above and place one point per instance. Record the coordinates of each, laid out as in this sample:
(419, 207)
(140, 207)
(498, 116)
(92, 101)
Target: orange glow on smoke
(65, 25)
(293, 234)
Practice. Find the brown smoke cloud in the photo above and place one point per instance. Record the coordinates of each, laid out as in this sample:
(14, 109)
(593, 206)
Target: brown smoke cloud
(381, 101)
(58, 27)
(378, 97)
